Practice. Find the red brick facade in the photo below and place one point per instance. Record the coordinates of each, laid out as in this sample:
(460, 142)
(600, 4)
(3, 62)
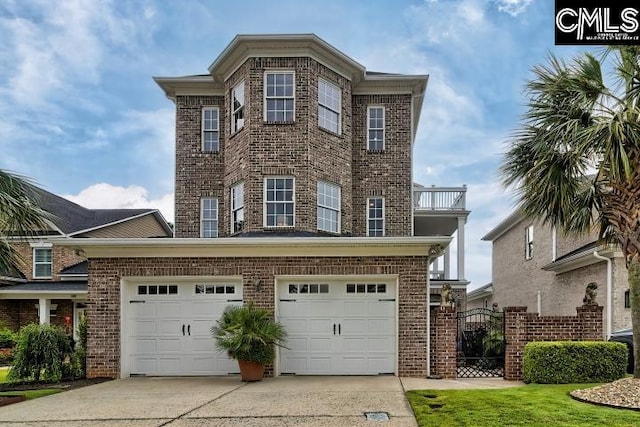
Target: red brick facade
(522, 327)
(104, 296)
(300, 149)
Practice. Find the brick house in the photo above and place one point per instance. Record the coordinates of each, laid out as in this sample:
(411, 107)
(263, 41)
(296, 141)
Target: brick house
(547, 271)
(51, 286)
(293, 190)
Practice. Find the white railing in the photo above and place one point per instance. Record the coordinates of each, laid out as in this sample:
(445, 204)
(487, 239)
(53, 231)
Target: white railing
(436, 275)
(439, 198)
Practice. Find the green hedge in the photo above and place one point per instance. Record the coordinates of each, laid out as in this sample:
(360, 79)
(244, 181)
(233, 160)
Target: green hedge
(565, 362)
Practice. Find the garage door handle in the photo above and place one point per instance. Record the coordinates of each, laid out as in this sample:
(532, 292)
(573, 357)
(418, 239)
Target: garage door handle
(183, 330)
(334, 329)
(189, 329)
(339, 327)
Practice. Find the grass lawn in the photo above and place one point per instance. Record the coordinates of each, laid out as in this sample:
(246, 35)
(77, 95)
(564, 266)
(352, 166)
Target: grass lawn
(32, 394)
(531, 405)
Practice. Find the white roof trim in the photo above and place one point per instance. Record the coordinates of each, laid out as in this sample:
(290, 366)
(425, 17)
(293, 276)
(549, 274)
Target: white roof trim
(7, 293)
(258, 246)
(583, 259)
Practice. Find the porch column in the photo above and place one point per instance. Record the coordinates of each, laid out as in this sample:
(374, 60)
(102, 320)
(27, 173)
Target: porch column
(461, 222)
(44, 309)
(447, 263)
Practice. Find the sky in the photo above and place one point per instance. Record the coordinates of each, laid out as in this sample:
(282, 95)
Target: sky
(81, 115)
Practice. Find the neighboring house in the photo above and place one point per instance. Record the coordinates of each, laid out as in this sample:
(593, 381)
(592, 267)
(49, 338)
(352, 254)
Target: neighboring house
(293, 190)
(52, 284)
(539, 267)
(481, 297)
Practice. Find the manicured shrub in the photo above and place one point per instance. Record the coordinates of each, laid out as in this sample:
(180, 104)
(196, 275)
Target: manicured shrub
(7, 338)
(80, 355)
(565, 362)
(40, 354)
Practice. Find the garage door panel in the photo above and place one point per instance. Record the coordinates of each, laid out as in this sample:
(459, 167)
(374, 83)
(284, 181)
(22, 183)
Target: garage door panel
(144, 327)
(364, 339)
(169, 333)
(146, 346)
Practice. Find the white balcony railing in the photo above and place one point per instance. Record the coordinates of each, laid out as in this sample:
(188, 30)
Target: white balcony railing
(440, 198)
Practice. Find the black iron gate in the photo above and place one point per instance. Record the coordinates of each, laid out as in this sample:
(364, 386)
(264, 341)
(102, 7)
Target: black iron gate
(480, 343)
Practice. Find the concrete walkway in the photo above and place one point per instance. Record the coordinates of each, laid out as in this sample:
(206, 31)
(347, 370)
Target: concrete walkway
(226, 401)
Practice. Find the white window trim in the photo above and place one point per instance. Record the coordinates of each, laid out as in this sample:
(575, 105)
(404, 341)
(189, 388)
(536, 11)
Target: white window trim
(339, 210)
(264, 201)
(384, 214)
(384, 124)
(202, 199)
(40, 246)
(235, 208)
(330, 83)
(217, 109)
(529, 241)
(235, 130)
(264, 109)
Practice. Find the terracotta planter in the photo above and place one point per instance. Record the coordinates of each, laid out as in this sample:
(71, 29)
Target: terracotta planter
(251, 371)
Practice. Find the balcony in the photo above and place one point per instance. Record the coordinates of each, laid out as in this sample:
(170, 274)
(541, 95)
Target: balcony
(442, 211)
(439, 198)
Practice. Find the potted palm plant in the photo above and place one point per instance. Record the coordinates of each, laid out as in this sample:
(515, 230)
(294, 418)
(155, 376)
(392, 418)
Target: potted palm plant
(249, 334)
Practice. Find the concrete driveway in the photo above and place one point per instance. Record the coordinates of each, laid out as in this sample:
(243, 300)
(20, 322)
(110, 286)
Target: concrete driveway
(219, 401)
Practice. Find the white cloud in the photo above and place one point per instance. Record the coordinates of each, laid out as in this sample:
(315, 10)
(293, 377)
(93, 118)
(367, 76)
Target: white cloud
(513, 7)
(107, 196)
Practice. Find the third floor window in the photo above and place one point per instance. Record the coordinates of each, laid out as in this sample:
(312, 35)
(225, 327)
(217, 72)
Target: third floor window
(528, 243)
(279, 98)
(237, 107)
(329, 106)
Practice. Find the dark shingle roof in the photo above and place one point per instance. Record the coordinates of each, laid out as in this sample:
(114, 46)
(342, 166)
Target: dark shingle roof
(79, 268)
(70, 217)
(65, 286)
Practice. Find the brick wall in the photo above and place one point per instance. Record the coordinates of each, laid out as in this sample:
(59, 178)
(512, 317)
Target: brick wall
(522, 327)
(444, 342)
(62, 257)
(103, 308)
(300, 149)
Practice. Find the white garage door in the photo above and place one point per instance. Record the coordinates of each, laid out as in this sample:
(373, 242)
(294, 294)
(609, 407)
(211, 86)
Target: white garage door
(168, 328)
(344, 328)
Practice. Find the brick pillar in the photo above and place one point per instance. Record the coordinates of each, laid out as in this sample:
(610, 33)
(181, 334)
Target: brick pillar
(590, 318)
(515, 334)
(445, 342)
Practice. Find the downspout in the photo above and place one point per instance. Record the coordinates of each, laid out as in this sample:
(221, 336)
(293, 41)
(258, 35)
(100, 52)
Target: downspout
(428, 317)
(609, 291)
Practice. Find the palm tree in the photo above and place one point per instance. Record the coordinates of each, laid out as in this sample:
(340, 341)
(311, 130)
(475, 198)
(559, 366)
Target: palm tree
(574, 160)
(20, 217)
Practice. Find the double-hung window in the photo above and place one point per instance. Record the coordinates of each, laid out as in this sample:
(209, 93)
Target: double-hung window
(42, 263)
(208, 217)
(279, 98)
(528, 243)
(279, 202)
(237, 107)
(375, 128)
(328, 207)
(210, 129)
(237, 207)
(375, 217)
(329, 106)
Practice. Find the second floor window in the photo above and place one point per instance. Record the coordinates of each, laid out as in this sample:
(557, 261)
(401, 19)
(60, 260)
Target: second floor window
(375, 128)
(328, 207)
(210, 129)
(209, 217)
(375, 217)
(237, 107)
(528, 242)
(279, 96)
(329, 106)
(42, 263)
(237, 207)
(279, 202)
